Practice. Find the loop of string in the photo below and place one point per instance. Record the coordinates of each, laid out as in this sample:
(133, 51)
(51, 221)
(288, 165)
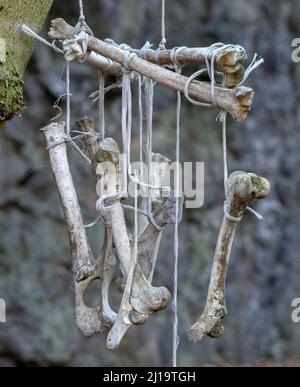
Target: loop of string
(163, 42)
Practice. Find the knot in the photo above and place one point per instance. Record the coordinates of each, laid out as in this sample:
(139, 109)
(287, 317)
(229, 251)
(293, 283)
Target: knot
(128, 57)
(186, 90)
(253, 65)
(162, 44)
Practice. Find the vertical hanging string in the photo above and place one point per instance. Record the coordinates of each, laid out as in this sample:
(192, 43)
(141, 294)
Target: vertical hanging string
(176, 232)
(163, 41)
(81, 10)
(68, 118)
(101, 109)
(140, 103)
(149, 90)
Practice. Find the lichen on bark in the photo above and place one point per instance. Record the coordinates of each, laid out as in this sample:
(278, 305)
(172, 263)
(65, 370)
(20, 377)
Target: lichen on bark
(13, 13)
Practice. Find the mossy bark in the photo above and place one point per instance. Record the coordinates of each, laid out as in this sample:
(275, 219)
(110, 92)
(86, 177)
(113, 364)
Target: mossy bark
(17, 49)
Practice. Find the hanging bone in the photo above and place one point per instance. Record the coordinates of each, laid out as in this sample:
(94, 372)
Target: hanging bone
(85, 269)
(242, 188)
(106, 261)
(161, 164)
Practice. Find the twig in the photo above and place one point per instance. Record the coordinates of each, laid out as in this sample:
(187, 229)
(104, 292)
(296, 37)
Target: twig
(243, 188)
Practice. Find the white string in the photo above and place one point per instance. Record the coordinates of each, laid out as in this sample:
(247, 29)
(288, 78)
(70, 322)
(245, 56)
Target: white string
(140, 103)
(149, 90)
(101, 108)
(81, 9)
(176, 233)
(34, 35)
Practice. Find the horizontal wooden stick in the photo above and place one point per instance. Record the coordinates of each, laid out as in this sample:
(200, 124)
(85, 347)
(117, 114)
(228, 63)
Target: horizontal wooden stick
(236, 101)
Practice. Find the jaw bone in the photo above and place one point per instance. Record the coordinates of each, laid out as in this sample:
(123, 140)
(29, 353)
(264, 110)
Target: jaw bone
(242, 189)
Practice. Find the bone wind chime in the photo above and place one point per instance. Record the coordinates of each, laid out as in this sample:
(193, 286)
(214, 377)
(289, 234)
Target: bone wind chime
(137, 255)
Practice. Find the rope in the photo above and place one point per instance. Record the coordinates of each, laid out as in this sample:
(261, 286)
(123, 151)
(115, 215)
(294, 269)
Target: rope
(68, 104)
(66, 138)
(141, 128)
(222, 116)
(162, 45)
(81, 10)
(34, 35)
(176, 228)
(149, 92)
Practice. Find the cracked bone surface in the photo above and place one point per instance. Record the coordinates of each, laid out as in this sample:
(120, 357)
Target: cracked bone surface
(85, 269)
(106, 260)
(140, 296)
(242, 188)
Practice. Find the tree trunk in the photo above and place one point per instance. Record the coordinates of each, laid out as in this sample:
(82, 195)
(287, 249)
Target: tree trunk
(16, 49)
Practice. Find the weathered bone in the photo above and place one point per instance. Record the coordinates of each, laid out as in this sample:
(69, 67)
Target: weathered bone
(165, 214)
(236, 101)
(243, 188)
(142, 297)
(85, 268)
(106, 261)
(228, 61)
(143, 221)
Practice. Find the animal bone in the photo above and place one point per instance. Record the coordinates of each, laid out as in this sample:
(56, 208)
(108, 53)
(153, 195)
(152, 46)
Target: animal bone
(162, 163)
(243, 188)
(139, 295)
(85, 268)
(165, 214)
(106, 261)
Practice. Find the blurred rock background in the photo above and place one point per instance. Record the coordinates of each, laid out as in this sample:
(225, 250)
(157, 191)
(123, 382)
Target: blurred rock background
(35, 278)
